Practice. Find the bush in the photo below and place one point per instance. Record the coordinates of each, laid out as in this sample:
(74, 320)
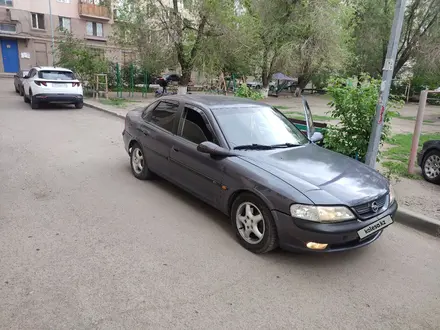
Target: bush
(75, 55)
(244, 91)
(354, 105)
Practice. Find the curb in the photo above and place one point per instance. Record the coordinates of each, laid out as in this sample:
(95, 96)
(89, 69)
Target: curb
(417, 221)
(103, 110)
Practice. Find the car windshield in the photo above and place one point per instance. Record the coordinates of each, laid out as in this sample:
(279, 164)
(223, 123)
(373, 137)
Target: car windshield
(257, 126)
(56, 75)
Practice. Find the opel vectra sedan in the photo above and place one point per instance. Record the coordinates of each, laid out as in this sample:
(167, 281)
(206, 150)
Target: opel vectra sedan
(248, 160)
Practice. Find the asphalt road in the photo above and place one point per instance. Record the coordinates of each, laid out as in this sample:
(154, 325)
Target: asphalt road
(84, 245)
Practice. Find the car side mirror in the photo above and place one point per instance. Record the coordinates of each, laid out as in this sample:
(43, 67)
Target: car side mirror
(213, 149)
(316, 137)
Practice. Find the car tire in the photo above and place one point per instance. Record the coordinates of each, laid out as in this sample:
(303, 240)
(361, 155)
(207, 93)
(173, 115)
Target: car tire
(79, 105)
(21, 91)
(25, 98)
(34, 102)
(138, 163)
(17, 90)
(251, 218)
(431, 166)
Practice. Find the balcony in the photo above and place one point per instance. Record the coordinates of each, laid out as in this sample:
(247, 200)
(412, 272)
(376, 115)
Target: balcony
(89, 9)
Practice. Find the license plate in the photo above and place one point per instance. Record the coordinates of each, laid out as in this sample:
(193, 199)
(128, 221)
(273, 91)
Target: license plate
(375, 226)
(60, 85)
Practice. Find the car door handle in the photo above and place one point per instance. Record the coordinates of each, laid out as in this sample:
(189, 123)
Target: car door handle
(176, 149)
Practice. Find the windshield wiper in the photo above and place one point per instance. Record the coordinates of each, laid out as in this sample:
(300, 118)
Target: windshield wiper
(253, 147)
(285, 145)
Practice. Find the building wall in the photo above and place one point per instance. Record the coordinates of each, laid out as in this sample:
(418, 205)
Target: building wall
(37, 41)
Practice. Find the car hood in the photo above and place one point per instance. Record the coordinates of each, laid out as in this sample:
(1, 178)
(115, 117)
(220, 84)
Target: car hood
(325, 177)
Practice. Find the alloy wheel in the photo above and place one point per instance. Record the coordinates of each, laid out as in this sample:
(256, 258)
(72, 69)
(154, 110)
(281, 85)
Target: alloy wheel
(137, 160)
(250, 223)
(432, 166)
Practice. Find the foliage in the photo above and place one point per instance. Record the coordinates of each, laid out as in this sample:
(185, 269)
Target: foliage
(74, 54)
(244, 91)
(354, 105)
(317, 46)
(371, 26)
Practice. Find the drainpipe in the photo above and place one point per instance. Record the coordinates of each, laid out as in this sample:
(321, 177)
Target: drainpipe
(51, 31)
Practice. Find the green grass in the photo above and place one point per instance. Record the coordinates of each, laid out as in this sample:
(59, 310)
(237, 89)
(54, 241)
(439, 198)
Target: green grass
(397, 156)
(116, 102)
(413, 118)
(300, 115)
(281, 107)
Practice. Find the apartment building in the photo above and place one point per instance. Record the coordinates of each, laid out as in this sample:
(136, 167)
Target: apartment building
(25, 30)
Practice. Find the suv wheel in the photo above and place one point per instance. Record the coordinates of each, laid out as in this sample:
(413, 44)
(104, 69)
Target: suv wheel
(431, 166)
(33, 100)
(25, 98)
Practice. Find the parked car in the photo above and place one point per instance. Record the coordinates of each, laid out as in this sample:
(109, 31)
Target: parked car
(170, 77)
(429, 161)
(248, 160)
(52, 85)
(18, 81)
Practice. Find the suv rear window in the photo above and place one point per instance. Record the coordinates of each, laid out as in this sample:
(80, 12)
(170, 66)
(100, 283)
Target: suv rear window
(56, 75)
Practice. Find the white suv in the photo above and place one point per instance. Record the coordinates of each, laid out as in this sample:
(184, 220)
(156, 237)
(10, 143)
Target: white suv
(52, 85)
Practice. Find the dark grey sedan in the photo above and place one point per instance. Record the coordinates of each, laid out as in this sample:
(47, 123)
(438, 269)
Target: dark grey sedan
(249, 161)
(18, 81)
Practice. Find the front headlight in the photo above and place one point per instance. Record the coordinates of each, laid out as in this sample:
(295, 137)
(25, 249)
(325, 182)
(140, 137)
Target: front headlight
(327, 214)
(392, 195)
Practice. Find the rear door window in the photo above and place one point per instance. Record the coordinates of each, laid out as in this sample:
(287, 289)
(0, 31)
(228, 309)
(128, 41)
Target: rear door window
(164, 115)
(56, 75)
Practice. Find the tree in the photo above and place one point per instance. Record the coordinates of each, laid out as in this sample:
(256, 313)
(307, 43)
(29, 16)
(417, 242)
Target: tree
(371, 25)
(318, 40)
(266, 23)
(136, 29)
(74, 54)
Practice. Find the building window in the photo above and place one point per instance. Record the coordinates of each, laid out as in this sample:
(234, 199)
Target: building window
(65, 24)
(8, 28)
(7, 3)
(38, 21)
(95, 29)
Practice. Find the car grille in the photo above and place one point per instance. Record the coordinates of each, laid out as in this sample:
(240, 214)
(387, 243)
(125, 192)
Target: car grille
(365, 211)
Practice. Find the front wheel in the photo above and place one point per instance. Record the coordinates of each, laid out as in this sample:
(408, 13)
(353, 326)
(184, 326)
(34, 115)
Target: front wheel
(79, 105)
(138, 163)
(253, 223)
(431, 167)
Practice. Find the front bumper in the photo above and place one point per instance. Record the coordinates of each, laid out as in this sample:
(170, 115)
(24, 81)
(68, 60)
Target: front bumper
(59, 98)
(295, 233)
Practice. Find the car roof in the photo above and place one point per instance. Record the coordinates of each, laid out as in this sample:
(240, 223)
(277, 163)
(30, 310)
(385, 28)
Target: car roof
(44, 68)
(215, 101)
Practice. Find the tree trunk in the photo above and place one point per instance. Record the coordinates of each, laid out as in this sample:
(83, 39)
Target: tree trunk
(184, 79)
(265, 73)
(303, 80)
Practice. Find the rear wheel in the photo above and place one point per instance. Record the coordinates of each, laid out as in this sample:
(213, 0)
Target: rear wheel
(21, 91)
(254, 224)
(34, 101)
(17, 90)
(25, 98)
(431, 167)
(138, 162)
(79, 105)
